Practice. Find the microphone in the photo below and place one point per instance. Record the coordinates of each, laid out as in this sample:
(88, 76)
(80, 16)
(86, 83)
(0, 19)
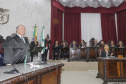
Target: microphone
(13, 71)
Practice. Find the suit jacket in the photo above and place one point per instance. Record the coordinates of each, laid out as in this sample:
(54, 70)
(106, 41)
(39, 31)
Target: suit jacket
(91, 44)
(56, 49)
(112, 46)
(83, 45)
(103, 53)
(15, 50)
(73, 45)
(64, 49)
(33, 45)
(95, 45)
(47, 43)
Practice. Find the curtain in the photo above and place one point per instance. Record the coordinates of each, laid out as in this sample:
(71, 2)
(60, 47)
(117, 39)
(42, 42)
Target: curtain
(91, 26)
(96, 10)
(72, 27)
(56, 27)
(108, 27)
(121, 24)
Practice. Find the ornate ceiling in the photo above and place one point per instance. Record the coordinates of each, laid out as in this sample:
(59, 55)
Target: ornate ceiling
(91, 3)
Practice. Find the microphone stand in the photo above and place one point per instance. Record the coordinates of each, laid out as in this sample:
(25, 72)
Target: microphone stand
(13, 71)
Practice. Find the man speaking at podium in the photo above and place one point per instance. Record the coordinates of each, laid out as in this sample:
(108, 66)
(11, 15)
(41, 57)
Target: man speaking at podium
(16, 47)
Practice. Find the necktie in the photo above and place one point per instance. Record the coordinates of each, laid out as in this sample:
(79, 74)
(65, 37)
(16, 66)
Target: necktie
(22, 38)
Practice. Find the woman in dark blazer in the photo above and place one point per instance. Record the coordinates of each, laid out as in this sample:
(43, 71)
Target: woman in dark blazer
(106, 52)
(56, 50)
(34, 44)
(64, 49)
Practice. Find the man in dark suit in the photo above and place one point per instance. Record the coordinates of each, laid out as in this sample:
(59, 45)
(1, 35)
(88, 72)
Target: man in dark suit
(16, 47)
(47, 47)
(95, 43)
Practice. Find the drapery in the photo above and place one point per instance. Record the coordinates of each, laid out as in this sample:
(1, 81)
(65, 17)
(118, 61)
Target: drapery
(56, 27)
(121, 24)
(91, 26)
(108, 27)
(72, 27)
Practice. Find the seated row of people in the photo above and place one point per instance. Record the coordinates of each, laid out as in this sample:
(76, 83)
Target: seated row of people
(64, 49)
(94, 43)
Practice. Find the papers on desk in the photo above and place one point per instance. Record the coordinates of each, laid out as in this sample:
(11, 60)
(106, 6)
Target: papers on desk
(33, 65)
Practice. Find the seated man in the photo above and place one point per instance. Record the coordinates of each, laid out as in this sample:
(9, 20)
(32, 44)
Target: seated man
(56, 50)
(95, 43)
(16, 47)
(120, 44)
(82, 44)
(74, 44)
(64, 49)
(102, 43)
(112, 44)
(91, 42)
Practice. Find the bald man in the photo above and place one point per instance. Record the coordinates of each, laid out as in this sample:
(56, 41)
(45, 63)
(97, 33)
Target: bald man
(16, 47)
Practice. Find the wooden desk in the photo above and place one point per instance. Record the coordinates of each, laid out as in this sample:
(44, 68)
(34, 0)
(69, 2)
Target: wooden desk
(46, 74)
(74, 54)
(112, 70)
(83, 53)
(92, 53)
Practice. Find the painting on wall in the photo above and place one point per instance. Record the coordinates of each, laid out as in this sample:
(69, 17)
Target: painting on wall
(4, 16)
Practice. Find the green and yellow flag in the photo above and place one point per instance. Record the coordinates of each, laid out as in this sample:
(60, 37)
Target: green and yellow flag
(35, 31)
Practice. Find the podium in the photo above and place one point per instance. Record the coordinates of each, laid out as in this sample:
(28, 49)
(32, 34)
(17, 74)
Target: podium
(112, 69)
(38, 49)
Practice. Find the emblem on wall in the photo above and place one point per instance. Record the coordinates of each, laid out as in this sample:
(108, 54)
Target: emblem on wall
(4, 17)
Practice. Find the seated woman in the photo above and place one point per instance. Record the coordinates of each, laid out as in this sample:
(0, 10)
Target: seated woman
(64, 49)
(106, 52)
(34, 44)
(120, 44)
(82, 44)
(74, 44)
(91, 42)
(101, 44)
(56, 50)
(112, 44)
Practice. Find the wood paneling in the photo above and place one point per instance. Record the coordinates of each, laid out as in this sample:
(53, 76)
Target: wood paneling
(50, 78)
(112, 70)
(83, 53)
(48, 75)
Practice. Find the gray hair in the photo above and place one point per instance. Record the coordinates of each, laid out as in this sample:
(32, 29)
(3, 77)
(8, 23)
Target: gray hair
(19, 26)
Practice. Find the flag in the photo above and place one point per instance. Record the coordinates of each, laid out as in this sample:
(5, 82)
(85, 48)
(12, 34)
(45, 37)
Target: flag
(35, 32)
(42, 39)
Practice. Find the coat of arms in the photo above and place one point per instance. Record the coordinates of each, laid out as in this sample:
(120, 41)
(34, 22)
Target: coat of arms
(4, 17)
